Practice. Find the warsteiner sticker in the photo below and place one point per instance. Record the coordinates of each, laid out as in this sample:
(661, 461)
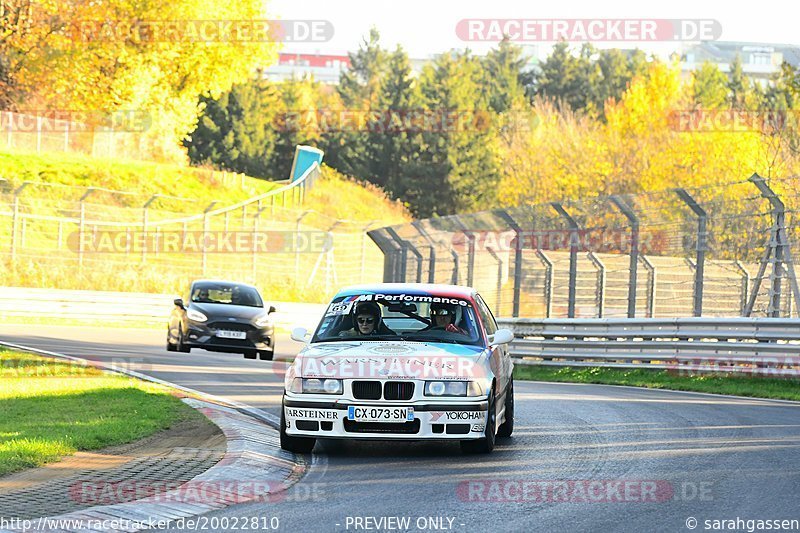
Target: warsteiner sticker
(311, 414)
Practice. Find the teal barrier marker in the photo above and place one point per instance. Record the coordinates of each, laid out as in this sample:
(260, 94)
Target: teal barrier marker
(304, 157)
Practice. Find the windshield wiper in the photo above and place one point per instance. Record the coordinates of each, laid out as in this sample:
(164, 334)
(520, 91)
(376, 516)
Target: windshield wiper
(360, 338)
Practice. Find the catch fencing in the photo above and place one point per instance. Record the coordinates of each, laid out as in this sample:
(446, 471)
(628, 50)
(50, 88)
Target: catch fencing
(712, 251)
(304, 255)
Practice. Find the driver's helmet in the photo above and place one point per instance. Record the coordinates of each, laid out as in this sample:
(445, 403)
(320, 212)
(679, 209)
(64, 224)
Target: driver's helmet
(440, 309)
(368, 308)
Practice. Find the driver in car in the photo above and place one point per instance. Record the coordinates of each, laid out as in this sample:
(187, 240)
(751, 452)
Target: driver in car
(367, 321)
(443, 317)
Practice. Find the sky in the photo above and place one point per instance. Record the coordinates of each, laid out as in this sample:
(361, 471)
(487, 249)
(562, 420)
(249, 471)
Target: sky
(426, 27)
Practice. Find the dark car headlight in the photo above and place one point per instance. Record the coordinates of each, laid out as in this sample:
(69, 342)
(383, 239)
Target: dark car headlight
(263, 321)
(195, 315)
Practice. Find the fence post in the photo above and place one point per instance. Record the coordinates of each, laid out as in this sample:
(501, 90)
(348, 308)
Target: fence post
(145, 207)
(548, 281)
(517, 257)
(15, 219)
(634, 257)
(400, 273)
(431, 249)
(296, 241)
(700, 260)
(745, 285)
(81, 223)
(470, 250)
(255, 252)
(499, 288)
(651, 285)
(573, 256)
(205, 233)
(779, 246)
(601, 283)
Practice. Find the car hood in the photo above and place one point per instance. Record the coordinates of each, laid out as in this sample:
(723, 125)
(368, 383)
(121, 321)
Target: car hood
(389, 360)
(216, 311)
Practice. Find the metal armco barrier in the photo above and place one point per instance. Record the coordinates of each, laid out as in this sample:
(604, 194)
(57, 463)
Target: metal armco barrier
(757, 346)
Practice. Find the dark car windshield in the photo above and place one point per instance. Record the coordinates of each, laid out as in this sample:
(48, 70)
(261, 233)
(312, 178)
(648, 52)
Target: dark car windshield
(226, 293)
(409, 318)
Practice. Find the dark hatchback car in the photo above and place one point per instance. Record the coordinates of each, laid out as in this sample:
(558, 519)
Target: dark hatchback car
(222, 316)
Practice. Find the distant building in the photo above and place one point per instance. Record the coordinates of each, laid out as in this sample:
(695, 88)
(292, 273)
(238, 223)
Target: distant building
(325, 68)
(759, 60)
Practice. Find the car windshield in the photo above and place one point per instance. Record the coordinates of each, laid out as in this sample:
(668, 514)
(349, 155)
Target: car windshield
(409, 317)
(225, 293)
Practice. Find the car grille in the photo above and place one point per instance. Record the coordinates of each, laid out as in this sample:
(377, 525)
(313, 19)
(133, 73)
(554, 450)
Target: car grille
(230, 326)
(367, 390)
(381, 427)
(398, 390)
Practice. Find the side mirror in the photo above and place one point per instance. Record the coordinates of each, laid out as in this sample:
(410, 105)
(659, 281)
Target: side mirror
(501, 336)
(271, 309)
(179, 302)
(299, 334)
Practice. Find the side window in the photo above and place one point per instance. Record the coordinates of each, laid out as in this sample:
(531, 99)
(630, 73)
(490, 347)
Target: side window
(486, 315)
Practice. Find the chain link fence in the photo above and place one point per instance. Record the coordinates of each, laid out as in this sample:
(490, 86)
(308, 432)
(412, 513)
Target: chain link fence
(89, 242)
(710, 251)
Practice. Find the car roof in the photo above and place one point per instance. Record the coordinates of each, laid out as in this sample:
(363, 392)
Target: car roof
(458, 291)
(224, 281)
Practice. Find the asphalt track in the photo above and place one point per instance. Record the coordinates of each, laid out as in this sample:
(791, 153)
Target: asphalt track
(582, 458)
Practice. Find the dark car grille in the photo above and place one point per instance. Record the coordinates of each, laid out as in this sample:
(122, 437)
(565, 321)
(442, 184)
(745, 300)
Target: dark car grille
(230, 326)
(398, 390)
(367, 390)
(381, 427)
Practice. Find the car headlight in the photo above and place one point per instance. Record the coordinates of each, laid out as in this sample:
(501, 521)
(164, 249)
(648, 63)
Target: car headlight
(263, 320)
(316, 386)
(197, 316)
(452, 388)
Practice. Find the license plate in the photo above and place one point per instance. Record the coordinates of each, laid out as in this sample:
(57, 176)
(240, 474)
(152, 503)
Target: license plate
(399, 415)
(224, 334)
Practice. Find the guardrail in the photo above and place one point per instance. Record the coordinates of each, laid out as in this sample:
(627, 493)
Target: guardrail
(130, 307)
(758, 346)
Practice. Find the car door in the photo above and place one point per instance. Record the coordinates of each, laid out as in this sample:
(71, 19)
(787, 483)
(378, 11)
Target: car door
(500, 353)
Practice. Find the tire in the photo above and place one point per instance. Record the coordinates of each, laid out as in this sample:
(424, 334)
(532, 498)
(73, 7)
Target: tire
(170, 347)
(181, 347)
(266, 355)
(486, 444)
(250, 354)
(507, 427)
(294, 444)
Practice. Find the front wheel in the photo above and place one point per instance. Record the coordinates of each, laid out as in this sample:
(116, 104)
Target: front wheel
(295, 444)
(507, 427)
(182, 347)
(486, 444)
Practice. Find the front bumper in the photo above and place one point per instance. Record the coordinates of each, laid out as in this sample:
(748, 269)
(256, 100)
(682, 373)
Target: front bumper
(434, 419)
(205, 336)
